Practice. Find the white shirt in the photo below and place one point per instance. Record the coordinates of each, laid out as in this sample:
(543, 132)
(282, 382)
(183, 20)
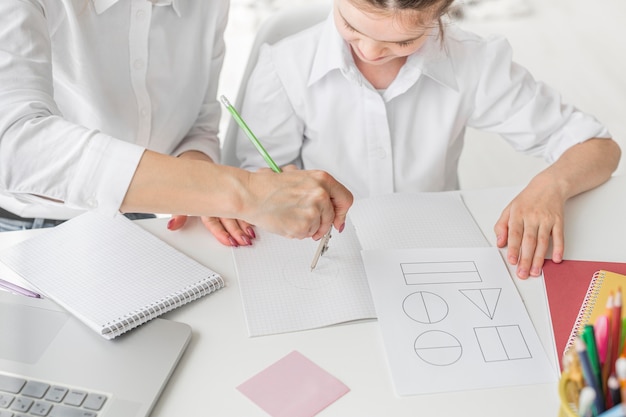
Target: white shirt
(308, 104)
(86, 86)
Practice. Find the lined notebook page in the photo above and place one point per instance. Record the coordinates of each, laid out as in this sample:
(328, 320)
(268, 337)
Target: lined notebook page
(281, 294)
(103, 268)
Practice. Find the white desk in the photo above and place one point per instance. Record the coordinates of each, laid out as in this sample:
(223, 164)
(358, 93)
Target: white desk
(221, 355)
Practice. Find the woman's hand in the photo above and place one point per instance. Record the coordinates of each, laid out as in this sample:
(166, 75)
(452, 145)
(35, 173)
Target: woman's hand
(229, 232)
(295, 203)
(288, 201)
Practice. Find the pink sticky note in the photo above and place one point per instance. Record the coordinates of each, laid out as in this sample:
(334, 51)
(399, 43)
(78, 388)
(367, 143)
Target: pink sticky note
(293, 387)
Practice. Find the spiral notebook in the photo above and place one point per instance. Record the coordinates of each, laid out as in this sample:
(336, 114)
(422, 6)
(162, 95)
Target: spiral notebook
(603, 283)
(109, 272)
(566, 285)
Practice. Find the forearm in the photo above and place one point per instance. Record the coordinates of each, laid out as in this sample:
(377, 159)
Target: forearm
(581, 168)
(294, 203)
(191, 185)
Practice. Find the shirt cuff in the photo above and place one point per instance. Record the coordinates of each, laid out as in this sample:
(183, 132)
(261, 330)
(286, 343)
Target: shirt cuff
(104, 174)
(581, 127)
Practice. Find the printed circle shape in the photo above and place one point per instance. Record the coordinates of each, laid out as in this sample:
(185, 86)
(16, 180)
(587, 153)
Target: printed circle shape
(425, 307)
(438, 348)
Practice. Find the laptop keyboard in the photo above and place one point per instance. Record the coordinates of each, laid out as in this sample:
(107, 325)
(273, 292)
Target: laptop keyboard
(22, 397)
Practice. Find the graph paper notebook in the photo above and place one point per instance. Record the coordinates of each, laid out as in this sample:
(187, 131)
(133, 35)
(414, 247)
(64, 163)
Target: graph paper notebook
(281, 294)
(109, 272)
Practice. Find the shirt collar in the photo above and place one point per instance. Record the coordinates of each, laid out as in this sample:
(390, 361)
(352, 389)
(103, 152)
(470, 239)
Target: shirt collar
(103, 5)
(434, 61)
(333, 53)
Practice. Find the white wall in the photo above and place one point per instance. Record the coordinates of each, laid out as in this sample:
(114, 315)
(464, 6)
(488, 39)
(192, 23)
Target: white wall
(576, 46)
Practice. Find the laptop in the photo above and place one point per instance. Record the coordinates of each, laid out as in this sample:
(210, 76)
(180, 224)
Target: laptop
(41, 345)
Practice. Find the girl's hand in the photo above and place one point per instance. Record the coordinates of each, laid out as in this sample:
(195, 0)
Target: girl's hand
(526, 226)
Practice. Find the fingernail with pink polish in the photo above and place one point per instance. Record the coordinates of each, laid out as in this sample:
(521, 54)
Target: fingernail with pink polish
(233, 242)
(170, 224)
(251, 232)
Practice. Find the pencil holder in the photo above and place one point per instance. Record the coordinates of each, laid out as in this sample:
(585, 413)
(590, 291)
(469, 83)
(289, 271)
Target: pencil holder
(567, 396)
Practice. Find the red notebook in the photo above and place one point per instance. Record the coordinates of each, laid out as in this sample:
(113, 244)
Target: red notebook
(566, 287)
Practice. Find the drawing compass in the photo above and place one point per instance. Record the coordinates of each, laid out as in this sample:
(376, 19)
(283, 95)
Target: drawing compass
(321, 248)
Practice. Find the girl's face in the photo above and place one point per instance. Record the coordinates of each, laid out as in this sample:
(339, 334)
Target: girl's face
(377, 38)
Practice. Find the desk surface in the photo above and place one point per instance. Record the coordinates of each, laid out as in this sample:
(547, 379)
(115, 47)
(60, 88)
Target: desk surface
(221, 355)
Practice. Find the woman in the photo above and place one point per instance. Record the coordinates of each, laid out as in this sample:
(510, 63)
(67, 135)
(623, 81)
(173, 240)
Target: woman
(111, 105)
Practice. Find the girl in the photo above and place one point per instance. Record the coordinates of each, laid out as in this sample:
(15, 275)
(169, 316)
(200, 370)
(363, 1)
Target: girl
(110, 105)
(380, 96)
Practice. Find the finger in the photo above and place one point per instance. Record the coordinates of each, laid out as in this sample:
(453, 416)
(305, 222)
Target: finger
(325, 224)
(249, 228)
(214, 225)
(290, 167)
(342, 200)
(501, 228)
(558, 242)
(527, 252)
(176, 222)
(514, 241)
(237, 230)
(543, 242)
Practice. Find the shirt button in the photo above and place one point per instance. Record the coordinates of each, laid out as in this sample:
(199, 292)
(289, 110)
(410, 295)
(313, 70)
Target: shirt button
(138, 64)
(92, 202)
(143, 112)
(140, 14)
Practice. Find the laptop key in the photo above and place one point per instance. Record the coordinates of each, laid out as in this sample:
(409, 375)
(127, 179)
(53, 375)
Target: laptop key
(21, 404)
(41, 408)
(5, 401)
(11, 384)
(56, 394)
(94, 401)
(6, 413)
(35, 389)
(63, 411)
(75, 398)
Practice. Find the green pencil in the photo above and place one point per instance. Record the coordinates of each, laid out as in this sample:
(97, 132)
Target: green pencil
(323, 245)
(250, 135)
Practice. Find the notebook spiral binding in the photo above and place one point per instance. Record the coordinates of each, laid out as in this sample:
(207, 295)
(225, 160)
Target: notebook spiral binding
(586, 308)
(153, 310)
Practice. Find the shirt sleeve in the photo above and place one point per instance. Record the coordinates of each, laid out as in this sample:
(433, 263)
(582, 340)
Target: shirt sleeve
(528, 114)
(203, 136)
(269, 113)
(44, 157)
